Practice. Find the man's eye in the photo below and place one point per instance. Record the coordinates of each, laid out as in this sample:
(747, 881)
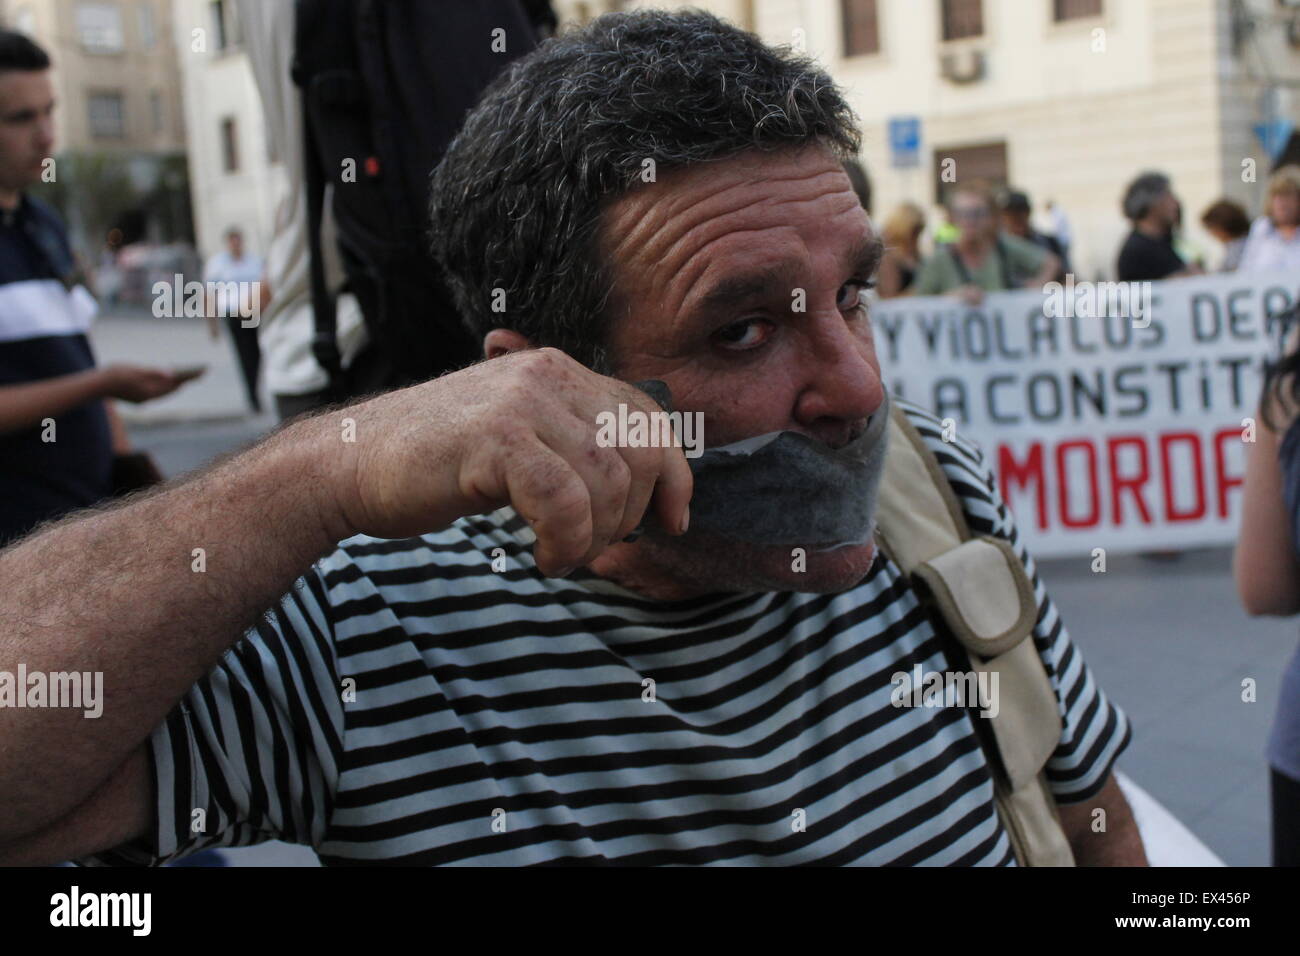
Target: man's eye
(747, 334)
(851, 293)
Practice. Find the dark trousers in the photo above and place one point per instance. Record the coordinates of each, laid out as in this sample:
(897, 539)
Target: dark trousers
(249, 354)
(1286, 819)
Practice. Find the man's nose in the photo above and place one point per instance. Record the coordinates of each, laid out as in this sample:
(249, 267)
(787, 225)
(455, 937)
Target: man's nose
(843, 382)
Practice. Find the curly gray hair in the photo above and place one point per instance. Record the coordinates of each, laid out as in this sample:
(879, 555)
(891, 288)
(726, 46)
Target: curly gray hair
(1142, 193)
(563, 131)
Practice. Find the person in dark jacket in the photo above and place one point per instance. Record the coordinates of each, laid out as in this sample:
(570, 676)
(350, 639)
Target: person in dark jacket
(1148, 253)
(58, 433)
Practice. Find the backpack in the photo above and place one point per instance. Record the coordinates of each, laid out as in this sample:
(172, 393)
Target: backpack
(981, 593)
(385, 87)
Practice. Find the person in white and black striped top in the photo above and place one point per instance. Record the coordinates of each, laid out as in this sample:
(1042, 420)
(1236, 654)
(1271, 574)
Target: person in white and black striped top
(481, 691)
(439, 688)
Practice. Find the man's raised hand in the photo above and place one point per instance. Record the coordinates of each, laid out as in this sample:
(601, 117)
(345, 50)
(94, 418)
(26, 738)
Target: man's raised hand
(518, 430)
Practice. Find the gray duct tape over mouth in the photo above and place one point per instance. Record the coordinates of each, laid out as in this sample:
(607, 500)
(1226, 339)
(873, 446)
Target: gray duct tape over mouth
(787, 489)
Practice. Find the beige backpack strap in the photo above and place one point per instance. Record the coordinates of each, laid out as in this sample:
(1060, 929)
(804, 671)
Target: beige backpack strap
(986, 598)
(918, 516)
(963, 582)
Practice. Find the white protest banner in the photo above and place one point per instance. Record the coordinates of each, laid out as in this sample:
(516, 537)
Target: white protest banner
(1114, 415)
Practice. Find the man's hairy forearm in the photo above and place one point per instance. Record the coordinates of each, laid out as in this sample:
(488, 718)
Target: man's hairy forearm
(124, 591)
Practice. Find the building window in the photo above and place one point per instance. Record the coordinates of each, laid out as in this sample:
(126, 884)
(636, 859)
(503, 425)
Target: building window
(148, 32)
(99, 27)
(156, 110)
(861, 27)
(1075, 9)
(985, 164)
(230, 144)
(962, 18)
(107, 115)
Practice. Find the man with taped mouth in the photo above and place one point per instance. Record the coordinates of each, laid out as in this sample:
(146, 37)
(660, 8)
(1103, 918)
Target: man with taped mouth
(463, 660)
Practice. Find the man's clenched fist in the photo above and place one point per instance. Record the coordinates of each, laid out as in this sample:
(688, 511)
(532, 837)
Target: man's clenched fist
(518, 430)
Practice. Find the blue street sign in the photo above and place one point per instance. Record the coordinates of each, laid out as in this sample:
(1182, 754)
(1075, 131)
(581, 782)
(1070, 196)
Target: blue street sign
(904, 141)
(1274, 136)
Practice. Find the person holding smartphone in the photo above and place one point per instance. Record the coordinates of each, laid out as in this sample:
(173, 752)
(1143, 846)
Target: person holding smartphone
(62, 446)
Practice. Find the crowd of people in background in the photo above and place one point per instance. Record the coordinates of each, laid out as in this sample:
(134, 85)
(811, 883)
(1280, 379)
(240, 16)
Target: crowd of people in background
(989, 241)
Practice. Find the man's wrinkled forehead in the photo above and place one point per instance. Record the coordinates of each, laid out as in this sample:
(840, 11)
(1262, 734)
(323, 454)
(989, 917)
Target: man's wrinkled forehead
(685, 238)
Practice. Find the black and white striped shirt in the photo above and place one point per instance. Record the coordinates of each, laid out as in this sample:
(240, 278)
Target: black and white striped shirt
(407, 703)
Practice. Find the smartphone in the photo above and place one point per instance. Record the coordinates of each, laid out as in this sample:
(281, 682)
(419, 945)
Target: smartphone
(185, 373)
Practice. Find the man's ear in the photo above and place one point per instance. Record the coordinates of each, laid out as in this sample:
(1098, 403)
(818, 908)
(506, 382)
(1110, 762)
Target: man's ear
(500, 342)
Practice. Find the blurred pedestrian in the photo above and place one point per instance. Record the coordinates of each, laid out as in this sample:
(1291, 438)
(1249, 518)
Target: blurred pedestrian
(61, 444)
(981, 259)
(1227, 222)
(1016, 213)
(1273, 244)
(901, 233)
(237, 279)
(1148, 253)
